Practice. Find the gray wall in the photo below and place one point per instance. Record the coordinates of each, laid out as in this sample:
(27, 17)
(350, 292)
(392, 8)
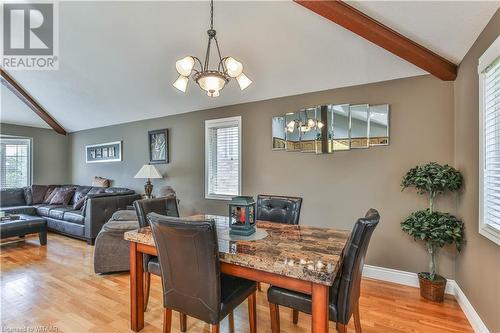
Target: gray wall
(50, 153)
(337, 188)
(478, 266)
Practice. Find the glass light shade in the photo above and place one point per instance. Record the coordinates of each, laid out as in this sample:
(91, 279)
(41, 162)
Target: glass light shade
(320, 124)
(234, 68)
(211, 83)
(243, 81)
(291, 124)
(181, 83)
(304, 128)
(185, 66)
(311, 122)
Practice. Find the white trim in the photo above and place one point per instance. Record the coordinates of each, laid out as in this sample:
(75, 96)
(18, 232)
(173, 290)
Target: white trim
(411, 279)
(220, 122)
(489, 231)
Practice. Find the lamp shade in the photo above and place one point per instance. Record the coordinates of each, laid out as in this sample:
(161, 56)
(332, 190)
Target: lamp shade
(148, 171)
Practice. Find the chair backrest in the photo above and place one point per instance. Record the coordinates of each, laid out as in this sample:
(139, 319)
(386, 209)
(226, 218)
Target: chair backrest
(346, 287)
(279, 209)
(188, 254)
(163, 206)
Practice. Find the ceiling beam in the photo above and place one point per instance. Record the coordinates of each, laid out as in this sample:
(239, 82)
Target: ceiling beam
(363, 25)
(23, 95)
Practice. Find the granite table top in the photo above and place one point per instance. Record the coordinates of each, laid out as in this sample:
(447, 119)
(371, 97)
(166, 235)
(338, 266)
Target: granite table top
(306, 253)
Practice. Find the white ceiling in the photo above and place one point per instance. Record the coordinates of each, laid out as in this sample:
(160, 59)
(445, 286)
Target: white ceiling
(117, 58)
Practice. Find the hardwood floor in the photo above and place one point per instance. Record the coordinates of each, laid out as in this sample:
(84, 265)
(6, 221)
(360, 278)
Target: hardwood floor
(54, 286)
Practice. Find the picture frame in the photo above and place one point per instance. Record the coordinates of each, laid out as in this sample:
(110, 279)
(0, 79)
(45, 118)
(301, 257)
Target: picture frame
(158, 142)
(104, 152)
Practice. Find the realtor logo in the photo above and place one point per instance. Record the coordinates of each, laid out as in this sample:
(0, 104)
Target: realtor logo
(30, 36)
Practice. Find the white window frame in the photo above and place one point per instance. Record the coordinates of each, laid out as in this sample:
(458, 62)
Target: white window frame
(30, 154)
(487, 230)
(221, 122)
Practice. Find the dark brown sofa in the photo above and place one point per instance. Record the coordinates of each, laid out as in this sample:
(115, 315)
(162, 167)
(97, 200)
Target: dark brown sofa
(85, 223)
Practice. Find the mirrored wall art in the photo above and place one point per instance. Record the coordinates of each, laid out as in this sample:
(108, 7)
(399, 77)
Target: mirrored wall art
(331, 128)
(379, 125)
(359, 126)
(279, 133)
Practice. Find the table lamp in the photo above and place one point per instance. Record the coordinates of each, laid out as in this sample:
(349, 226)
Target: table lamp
(147, 172)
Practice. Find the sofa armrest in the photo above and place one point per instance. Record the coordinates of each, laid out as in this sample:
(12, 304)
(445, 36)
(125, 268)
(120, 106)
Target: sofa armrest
(99, 209)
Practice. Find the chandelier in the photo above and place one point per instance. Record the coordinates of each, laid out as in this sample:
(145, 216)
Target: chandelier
(210, 80)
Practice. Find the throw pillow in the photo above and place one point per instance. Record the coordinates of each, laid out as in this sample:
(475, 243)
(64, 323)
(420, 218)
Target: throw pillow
(38, 193)
(49, 194)
(79, 204)
(62, 196)
(100, 182)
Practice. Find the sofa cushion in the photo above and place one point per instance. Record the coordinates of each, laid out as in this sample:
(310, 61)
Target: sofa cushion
(28, 210)
(49, 194)
(73, 216)
(12, 197)
(62, 196)
(28, 197)
(79, 204)
(58, 212)
(38, 193)
(96, 190)
(119, 190)
(44, 210)
(80, 192)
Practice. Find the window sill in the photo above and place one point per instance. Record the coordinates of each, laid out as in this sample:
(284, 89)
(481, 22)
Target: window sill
(490, 232)
(219, 197)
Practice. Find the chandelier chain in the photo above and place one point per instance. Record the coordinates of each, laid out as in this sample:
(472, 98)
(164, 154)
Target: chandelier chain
(211, 14)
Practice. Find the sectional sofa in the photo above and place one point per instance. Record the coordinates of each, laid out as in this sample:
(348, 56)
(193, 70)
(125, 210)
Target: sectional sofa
(98, 206)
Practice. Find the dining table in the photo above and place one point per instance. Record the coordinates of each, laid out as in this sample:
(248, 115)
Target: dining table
(302, 258)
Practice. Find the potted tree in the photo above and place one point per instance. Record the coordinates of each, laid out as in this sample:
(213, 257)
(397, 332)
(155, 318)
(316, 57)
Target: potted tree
(435, 229)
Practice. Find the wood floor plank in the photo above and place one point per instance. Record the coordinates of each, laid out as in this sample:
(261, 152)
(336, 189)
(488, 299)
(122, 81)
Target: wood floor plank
(54, 286)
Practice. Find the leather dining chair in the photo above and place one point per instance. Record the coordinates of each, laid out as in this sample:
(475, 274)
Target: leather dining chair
(279, 209)
(345, 291)
(164, 206)
(193, 284)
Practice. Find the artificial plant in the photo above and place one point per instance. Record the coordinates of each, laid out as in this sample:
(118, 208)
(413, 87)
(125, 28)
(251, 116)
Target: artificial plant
(435, 229)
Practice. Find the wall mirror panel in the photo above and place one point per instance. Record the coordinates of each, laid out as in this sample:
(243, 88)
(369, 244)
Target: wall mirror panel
(359, 126)
(338, 127)
(310, 134)
(379, 125)
(279, 133)
(292, 136)
(331, 128)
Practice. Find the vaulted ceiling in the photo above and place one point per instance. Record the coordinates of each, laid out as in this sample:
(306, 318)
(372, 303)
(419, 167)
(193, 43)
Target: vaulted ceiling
(117, 58)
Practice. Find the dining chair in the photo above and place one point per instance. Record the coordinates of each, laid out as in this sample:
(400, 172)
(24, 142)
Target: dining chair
(193, 284)
(164, 206)
(276, 208)
(345, 291)
(280, 209)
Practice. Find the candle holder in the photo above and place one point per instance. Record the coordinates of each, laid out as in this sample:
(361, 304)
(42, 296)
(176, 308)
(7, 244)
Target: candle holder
(242, 216)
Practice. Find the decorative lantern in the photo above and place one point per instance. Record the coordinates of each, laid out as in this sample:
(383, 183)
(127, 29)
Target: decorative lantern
(242, 216)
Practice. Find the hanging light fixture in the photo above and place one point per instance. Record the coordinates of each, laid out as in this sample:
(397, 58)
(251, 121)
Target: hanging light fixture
(210, 80)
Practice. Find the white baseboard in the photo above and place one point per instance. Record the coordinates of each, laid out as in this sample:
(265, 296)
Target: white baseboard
(411, 279)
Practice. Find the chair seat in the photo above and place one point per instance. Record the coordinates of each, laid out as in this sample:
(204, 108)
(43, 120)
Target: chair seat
(234, 291)
(295, 300)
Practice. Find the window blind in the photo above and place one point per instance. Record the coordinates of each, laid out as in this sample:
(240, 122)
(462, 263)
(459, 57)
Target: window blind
(223, 158)
(15, 164)
(491, 144)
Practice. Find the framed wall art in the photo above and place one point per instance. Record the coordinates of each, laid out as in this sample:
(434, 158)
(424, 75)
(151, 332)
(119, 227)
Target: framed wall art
(104, 152)
(158, 146)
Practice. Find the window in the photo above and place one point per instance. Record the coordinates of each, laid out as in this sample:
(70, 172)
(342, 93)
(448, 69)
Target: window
(15, 156)
(223, 158)
(489, 142)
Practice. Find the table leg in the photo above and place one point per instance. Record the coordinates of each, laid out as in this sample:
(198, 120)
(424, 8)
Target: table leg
(320, 315)
(136, 289)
